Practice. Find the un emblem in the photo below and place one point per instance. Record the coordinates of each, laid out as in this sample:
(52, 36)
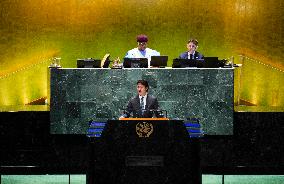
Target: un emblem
(144, 129)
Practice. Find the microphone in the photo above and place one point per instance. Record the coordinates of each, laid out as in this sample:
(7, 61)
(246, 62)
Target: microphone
(125, 114)
(158, 113)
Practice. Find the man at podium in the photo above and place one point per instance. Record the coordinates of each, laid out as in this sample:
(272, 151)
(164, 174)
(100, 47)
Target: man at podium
(142, 105)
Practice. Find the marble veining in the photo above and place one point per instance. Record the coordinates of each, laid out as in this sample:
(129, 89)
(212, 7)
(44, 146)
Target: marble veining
(79, 95)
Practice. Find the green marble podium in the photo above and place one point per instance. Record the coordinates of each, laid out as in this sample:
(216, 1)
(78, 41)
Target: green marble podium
(79, 95)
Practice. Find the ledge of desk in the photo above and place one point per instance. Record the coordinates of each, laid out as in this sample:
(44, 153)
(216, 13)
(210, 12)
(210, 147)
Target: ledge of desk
(143, 119)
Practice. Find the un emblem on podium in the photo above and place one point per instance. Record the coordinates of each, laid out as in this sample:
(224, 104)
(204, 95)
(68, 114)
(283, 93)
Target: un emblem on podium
(144, 129)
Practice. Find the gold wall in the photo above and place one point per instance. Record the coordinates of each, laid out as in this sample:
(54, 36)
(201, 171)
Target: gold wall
(33, 31)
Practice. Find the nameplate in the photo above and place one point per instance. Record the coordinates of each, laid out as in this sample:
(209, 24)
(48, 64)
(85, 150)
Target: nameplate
(144, 161)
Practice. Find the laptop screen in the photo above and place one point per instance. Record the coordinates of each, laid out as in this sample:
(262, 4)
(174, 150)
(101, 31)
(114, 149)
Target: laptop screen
(159, 61)
(88, 63)
(211, 62)
(207, 62)
(135, 63)
(187, 63)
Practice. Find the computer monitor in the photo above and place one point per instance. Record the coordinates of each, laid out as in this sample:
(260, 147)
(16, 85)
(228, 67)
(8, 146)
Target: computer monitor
(187, 63)
(159, 61)
(88, 63)
(211, 62)
(135, 63)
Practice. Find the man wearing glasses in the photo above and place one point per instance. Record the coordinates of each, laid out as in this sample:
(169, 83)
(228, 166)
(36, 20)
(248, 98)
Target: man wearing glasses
(141, 51)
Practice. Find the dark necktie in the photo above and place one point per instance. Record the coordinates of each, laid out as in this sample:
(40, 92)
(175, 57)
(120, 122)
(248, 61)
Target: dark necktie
(142, 105)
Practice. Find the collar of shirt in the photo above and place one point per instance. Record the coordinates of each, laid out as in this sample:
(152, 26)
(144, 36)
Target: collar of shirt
(190, 54)
(143, 52)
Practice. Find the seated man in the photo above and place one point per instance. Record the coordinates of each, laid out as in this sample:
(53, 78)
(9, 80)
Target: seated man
(142, 105)
(191, 52)
(141, 51)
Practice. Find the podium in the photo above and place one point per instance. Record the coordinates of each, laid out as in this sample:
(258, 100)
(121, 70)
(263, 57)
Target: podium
(146, 151)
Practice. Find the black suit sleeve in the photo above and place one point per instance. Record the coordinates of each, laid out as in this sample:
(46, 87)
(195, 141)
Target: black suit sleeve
(158, 113)
(183, 55)
(156, 104)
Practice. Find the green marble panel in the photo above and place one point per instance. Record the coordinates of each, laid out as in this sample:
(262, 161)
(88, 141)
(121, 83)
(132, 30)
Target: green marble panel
(79, 95)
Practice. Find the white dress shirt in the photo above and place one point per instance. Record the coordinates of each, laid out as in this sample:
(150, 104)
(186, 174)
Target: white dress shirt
(147, 53)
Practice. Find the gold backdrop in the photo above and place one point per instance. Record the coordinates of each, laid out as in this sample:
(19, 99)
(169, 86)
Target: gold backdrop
(33, 31)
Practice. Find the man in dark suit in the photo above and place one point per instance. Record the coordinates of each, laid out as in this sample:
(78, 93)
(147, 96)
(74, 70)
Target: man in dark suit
(142, 105)
(191, 52)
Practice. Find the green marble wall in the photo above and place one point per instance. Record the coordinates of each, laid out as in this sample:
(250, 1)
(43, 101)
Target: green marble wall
(79, 95)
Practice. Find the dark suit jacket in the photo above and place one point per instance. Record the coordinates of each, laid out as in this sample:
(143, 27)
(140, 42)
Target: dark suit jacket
(134, 107)
(197, 55)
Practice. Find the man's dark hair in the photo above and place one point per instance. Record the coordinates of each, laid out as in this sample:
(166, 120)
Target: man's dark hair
(193, 41)
(144, 83)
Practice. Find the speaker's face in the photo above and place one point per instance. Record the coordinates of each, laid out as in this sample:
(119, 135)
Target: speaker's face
(141, 89)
